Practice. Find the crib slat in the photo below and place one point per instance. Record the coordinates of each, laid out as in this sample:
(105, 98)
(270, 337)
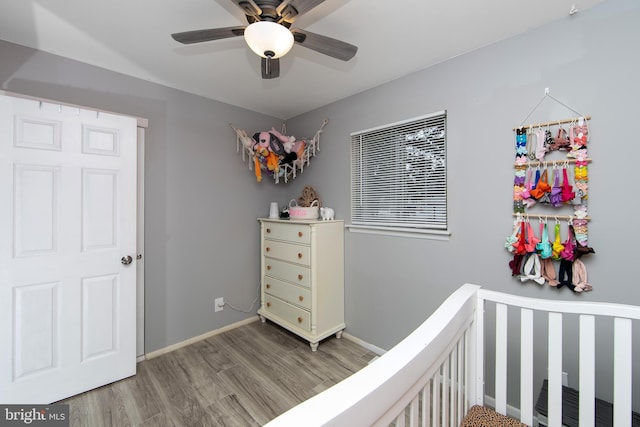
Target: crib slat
(501, 359)
(435, 405)
(453, 384)
(476, 373)
(587, 412)
(426, 404)
(526, 366)
(413, 412)
(445, 395)
(622, 347)
(554, 404)
(461, 384)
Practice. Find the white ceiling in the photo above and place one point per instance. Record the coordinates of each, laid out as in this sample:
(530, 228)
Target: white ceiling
(394, 37)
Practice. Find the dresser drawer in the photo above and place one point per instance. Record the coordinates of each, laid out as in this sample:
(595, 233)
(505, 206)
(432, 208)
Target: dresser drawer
(291, 314)
(293, 273)
(287, 252)
(288, 292)
(296, 233)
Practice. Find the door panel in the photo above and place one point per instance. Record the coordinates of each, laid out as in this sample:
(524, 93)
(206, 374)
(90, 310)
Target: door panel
(35, 326)
(36, 207)
(100, 141)
(67, 217)
(37, 133)
(99, 316)
(99, 209)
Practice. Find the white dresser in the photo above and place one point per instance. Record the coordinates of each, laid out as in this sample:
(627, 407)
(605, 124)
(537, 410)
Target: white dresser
(302, 268)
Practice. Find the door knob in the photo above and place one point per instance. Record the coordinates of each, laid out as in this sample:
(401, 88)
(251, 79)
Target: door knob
(126, 260)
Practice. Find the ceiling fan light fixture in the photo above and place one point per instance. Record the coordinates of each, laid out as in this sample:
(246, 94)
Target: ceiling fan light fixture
(268, 39)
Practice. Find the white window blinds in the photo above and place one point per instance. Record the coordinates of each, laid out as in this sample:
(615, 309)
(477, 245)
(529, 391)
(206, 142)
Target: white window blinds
(398, 174)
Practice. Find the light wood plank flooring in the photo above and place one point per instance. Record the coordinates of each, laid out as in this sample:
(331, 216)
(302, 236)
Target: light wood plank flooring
(243, 377)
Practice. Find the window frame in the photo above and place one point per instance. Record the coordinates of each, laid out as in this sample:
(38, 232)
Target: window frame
(437, 230)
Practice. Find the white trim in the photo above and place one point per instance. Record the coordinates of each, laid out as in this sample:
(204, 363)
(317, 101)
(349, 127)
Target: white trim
(140, 244)
(418, 233)
(377, 350)
(204, 336)
(401, 122)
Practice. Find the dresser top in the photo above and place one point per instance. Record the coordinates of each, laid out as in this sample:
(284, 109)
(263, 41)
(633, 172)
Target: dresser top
(298, 221)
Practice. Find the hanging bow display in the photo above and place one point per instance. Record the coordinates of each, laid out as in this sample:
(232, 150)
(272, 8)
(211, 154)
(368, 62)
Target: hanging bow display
(543, 181)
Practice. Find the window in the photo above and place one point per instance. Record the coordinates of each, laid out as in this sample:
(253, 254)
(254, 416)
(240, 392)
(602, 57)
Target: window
(398, 176)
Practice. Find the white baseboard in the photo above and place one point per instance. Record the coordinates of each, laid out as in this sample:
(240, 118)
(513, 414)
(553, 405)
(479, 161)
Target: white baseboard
(204, 336)
(377, 350)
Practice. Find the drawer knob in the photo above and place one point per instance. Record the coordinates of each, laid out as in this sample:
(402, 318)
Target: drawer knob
(267, 249)
(300, 319)
(299, 255)
(300, 277)
(268, 304)
(301, 298)
(268, 267)
(300, 234)
(268, 230)
(268, 286)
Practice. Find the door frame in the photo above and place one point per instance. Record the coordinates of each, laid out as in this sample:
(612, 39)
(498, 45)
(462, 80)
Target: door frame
(140, 353)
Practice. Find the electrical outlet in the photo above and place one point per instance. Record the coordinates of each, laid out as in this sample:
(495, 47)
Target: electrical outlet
(219, 304)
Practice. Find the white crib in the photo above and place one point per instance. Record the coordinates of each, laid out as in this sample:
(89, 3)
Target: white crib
(434, 375)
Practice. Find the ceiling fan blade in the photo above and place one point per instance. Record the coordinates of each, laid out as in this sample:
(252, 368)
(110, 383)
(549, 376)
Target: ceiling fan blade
(325, 45)
(270, 68)
(198, 36)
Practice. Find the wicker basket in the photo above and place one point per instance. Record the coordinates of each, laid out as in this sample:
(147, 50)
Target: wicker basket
(301, 212)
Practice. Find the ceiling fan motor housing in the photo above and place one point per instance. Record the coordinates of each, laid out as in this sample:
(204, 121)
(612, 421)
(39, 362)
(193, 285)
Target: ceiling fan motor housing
(281, 12)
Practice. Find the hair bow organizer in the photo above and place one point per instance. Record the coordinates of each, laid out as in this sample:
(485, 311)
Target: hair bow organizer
(551, 176)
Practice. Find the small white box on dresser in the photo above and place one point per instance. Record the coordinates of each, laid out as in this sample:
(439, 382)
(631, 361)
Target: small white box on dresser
(302, 277)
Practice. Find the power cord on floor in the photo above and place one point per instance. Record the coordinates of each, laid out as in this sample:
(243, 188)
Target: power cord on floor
(250, 310)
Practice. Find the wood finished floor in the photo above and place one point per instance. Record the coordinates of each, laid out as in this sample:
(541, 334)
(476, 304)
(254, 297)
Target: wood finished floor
(243, 377)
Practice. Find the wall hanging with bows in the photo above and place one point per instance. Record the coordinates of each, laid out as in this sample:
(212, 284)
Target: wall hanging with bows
(551, 181)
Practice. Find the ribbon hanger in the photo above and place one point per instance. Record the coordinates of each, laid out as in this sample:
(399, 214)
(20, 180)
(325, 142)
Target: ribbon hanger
(548, 95)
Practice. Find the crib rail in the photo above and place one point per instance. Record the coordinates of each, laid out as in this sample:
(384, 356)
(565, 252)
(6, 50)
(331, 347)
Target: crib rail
(424, 380)
(556, 311)
(435, 374)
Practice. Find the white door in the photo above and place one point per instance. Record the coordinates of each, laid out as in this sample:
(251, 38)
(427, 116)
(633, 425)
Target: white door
(67, 218)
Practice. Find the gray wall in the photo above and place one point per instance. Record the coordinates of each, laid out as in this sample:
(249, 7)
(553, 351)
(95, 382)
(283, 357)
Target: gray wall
(590, 62)
(201, 205)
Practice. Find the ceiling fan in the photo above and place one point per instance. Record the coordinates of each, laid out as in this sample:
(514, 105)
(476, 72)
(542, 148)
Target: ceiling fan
(269, 34)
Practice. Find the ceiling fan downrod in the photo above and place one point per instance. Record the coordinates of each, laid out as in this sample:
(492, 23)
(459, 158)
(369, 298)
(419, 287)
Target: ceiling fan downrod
(268, 54)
